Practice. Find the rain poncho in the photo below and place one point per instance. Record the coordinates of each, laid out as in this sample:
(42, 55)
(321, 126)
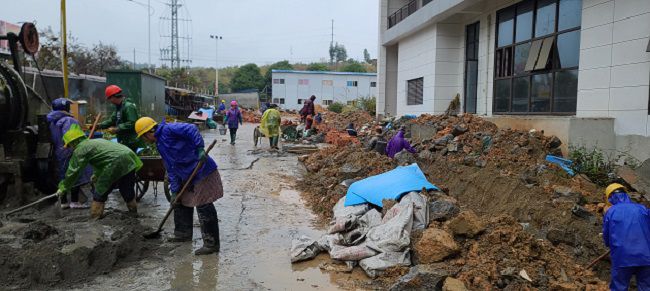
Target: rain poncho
(626, 231)
(124, 118)
(222, 107)
(397, 144)
(178, 145)
(270, 124)
(60, 122)
(233, 118)
(110, 161)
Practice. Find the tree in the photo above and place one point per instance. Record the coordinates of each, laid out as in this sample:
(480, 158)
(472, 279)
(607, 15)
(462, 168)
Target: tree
(282, 65)
(354, 67)
(366, 56)
(341, 53)
(317, 67)
(247, 77)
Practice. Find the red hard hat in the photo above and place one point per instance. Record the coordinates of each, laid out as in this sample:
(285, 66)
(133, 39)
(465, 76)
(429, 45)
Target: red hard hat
(112, 90)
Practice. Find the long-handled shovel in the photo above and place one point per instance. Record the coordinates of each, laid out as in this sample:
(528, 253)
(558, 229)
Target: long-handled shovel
(156, 233)
(32, 204)
(92, 130)
(597, 259)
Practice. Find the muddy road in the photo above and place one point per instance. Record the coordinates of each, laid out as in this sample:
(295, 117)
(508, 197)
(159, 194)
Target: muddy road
(258, 216)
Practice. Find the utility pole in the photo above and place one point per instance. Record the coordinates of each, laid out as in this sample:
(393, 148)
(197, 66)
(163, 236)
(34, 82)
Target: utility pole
(216, 65)
(133, 59)
(64, 51)
(332, 44)
(176, 60)
(149, 34)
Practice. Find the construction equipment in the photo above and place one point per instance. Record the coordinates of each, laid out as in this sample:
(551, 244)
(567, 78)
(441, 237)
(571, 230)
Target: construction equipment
(156, 233)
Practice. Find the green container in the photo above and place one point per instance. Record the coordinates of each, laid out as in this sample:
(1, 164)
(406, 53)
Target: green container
(147, 91)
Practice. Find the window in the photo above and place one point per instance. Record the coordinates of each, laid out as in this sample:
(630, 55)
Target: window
(373, 84)
(303, 82)
(276, 100)
(471, 67)
(278, 81)
(328, 83)
(299, 101)
(352, 103)
(415, 92)
(327, 102)
(353, 83)
(537, 56)
(281, 100)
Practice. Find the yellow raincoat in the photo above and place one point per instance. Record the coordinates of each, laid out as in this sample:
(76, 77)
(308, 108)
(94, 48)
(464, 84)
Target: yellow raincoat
(270, 124)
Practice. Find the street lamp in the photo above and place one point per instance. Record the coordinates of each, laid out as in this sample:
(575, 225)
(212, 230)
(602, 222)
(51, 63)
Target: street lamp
(216, 66)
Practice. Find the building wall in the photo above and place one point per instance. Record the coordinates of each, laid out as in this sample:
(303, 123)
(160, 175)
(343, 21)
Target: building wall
(292, 90)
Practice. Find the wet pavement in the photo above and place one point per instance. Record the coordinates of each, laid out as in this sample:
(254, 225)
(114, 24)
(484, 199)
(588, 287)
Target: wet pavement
(258, 216)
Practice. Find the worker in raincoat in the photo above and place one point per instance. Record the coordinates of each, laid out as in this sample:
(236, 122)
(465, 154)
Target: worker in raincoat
(626, 232)
(233, 120)
(123, 119)
(270, 125)
(114, 166)
(60, 121)
(209, 112)
(222, 107)
(397, 144)
(307, 112)
(172, 139)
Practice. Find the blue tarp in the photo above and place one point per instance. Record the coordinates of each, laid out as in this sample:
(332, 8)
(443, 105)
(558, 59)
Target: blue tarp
(390, 185)
(563, 163)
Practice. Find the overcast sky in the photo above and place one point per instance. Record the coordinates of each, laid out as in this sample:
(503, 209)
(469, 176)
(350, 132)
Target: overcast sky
(258, 31)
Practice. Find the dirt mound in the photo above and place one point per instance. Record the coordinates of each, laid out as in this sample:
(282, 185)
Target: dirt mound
(68, 250)
(498, 257)
(340, 121)
(251, 116)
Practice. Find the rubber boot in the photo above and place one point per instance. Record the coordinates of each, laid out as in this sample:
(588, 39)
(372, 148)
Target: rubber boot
(96, 210)
(133, 207)
(183, 217)
(209, 230)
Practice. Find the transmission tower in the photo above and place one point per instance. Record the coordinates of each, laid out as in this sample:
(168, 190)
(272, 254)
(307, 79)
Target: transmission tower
(178, 56)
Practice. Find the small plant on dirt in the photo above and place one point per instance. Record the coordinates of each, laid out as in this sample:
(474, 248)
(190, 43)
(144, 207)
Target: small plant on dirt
(349, 108)
(598, 166)
(368, 104)
(336, 107)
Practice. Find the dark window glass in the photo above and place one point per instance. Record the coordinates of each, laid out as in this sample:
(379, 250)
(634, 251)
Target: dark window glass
(545, 19)
(524, 29)
(471, 85)
(541, 93)
(565, 91)
(520, 94)
(506, 26)
(521, 57)
(415, 92)
(501, 95)
(568, 49)
(570, 14)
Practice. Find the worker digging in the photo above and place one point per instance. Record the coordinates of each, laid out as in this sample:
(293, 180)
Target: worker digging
(417, 145)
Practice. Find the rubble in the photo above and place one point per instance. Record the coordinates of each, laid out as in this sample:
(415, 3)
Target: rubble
(434, 246)
(452, 284)
(421, 277)
(466, 224)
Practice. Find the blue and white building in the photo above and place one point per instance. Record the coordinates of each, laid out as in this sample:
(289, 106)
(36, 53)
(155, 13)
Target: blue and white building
(292, 88)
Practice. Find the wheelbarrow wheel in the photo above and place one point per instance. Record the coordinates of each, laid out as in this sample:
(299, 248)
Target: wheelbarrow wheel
(256, 135)
(141, 188)
(168, 194)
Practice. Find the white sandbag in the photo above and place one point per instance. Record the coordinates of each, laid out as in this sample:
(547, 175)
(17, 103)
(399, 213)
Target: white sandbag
(341, 224)
(304, 248)
(375, 265)
(340, 210)
(328, 241)
(395, 234)
(353, 253)
(420, 209)
(357, 235)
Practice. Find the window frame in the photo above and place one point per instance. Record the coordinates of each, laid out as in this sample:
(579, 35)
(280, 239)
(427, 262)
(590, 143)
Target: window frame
(498, 76)
(352, 83)
(373, 84)
(327, 102)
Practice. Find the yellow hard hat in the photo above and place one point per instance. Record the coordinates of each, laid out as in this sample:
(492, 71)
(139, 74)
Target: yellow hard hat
(144, 125)
(611, 188)
(72, 134)
(223, 101)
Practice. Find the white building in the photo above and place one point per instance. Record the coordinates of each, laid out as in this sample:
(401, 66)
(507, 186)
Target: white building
(291, 88)
(578, 69)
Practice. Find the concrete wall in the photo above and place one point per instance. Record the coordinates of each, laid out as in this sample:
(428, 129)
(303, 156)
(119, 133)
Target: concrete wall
(246, 100)
(292, 89)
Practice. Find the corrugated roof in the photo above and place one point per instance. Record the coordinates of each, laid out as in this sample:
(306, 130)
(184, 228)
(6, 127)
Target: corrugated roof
(324, 73)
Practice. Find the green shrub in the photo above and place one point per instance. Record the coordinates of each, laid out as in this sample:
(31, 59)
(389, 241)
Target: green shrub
(336, 107)
(368, 104)
(599, 167)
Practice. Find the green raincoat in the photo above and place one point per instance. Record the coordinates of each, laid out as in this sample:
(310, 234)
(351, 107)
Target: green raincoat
(270, 123)
(124, 118)
(110, 161)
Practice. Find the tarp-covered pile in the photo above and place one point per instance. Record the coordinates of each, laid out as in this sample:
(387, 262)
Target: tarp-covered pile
(359, 234)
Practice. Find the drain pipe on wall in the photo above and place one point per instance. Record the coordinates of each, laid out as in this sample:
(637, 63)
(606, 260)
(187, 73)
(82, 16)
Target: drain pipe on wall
(487, 62)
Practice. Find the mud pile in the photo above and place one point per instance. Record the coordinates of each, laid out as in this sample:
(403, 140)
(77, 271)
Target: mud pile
(251, 116)
(494, 173)
(340, 121)
(37, 251)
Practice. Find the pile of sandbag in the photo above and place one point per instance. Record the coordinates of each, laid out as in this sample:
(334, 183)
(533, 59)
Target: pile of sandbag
(360, 235)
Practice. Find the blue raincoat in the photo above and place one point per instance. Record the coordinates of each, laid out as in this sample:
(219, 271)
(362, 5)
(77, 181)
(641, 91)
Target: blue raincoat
(178, 145)
(233, 117)
(59, 122)
(626, 231)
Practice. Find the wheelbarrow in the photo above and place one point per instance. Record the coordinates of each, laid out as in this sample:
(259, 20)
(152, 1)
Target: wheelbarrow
(153, 170)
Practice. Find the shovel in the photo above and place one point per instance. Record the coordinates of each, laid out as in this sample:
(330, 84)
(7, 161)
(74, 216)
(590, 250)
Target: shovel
(34, 203)
(156, 233)
(597, 259)
(92, 130)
